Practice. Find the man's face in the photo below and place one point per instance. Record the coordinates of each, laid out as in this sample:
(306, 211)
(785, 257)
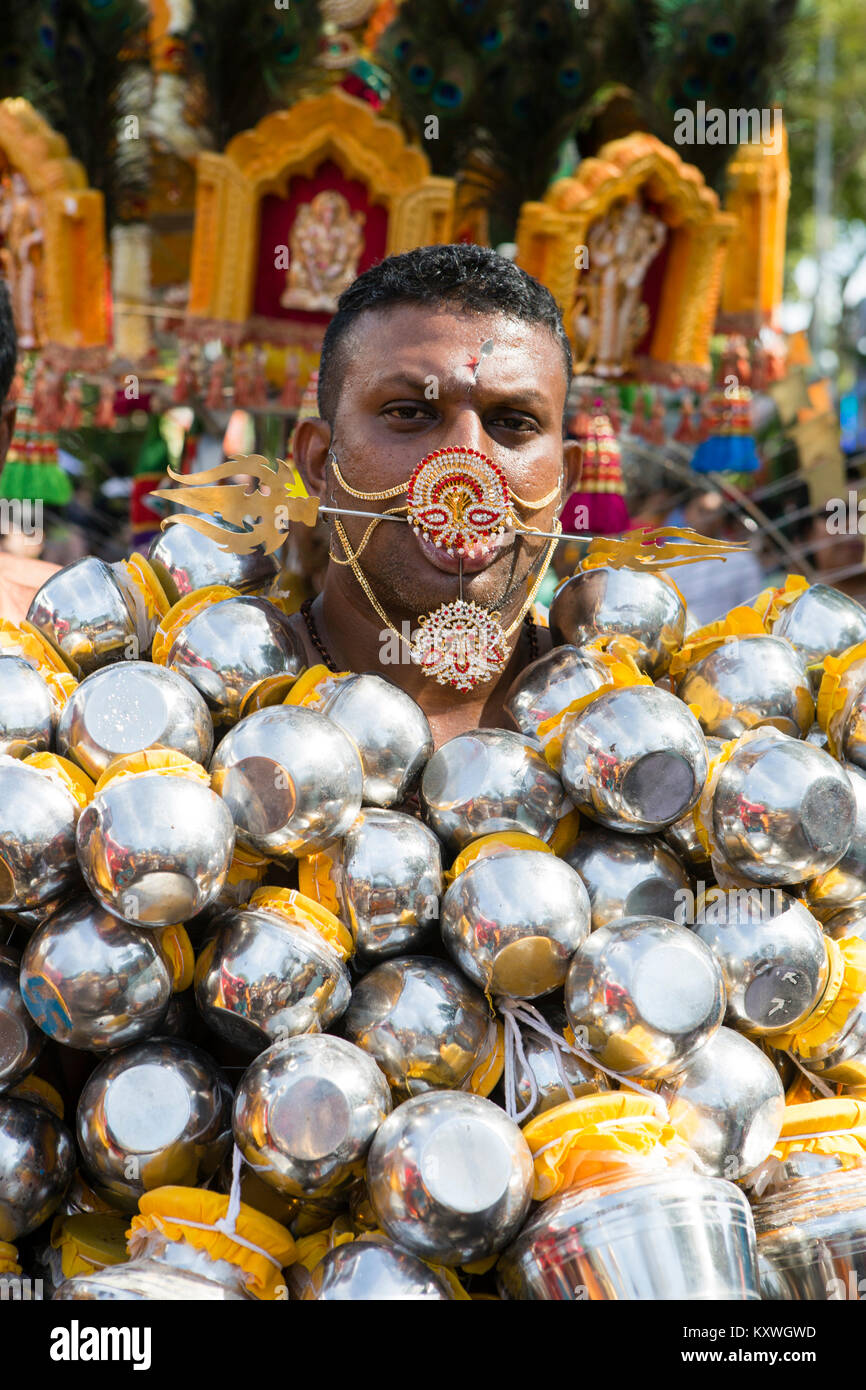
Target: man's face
(408, 389)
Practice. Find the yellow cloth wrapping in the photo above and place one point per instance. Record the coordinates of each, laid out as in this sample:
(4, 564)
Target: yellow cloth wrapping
(817, 1117)
(771, 602)
(32, 647)
(88, 1242)
(246, 872)
(166, 1209)
(166, 762)
(144, 577)
(315, 685)
(8, 1259)
(617, 653)
(494, 843)
(702, 814)
(305, 912)
(65, 774)
(566, 834)
(591, 1138)
(176, 948)
(836, 691)
(316, 882)
(739, 622)
(486, 1074)
(180, 613)
(843, 995)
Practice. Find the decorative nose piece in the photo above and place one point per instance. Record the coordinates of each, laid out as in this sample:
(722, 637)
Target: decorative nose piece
(458, 499)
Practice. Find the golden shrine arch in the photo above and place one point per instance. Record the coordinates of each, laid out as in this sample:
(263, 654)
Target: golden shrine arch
(52, 235)
(632, 246)
(329, 185)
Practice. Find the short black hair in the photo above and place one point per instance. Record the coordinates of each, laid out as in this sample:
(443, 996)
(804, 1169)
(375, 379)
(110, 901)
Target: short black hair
(8, 343)
(470, 277)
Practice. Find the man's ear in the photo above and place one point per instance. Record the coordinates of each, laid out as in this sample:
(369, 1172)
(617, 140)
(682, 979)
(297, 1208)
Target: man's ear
(572, 457)
(7, 427)
(310, 446)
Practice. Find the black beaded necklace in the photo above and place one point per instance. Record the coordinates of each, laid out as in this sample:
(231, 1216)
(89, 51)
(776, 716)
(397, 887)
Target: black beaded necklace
(306, 611)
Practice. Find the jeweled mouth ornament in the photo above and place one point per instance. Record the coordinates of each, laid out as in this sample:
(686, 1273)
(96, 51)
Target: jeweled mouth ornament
(458, 500)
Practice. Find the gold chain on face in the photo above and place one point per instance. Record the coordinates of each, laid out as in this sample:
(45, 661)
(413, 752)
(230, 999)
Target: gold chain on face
(352, 560)
(389, 511)
(403, 487)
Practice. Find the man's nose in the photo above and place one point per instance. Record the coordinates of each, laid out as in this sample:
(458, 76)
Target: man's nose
(466, 428)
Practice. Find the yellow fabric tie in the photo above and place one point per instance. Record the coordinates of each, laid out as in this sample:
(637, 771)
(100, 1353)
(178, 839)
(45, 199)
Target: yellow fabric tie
(739, 622)
(141, 573)
(494, 843)
(835, 692)
(176, 949)
(617, 653)
(65, 773)
(313, 688)
(771, 602)
(8, 1259)
(304, 912)
(181, 613)
(489, 1069)
(88, 1243)
(590, 1138)
(316, 882)
(165, 762)
(180, 1213)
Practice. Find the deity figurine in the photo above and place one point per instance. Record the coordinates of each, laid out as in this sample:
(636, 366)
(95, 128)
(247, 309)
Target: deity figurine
(103, 416)
(326, 242)
(216, 385)
(21, 229)
(609, 318)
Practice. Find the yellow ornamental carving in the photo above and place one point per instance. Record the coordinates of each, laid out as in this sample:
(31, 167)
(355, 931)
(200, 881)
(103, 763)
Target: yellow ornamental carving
(332, 127)
(58, 280)
(592, 242)
(758, 188)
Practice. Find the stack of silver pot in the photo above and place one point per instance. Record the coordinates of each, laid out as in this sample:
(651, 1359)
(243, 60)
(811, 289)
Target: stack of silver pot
(406, 958)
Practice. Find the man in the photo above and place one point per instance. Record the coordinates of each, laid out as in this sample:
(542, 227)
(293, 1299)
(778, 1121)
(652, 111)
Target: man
(443, 346)
(21, 574)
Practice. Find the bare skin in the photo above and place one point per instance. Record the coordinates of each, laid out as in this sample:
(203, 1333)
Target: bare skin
(509, 407)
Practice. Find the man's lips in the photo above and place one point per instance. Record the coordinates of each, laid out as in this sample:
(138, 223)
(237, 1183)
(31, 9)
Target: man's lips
(480, 557)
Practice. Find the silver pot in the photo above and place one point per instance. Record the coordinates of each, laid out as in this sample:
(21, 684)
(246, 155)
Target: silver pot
(627, 875)
(38, 816)
(422, 1022)
(845, 883)
(93, 981)
(291, 779)
(264, 978)
(772, 956)
(646, 1237)
(634, 759)
(727, 1104)
(155, 849)
(153, 1115)
(128, 707)
(596, 602)
(545, 687)
(648, 995)
(752, 681)
(92, 614)
(812, 1238)
(489, 780)
(783, 811)
(822, 622)
(37, 1157)
(20, 1040)
(184, 560)
(389, 872)
(28, 711)
(682, 836)
(450, 1177)
(366, 1271)
(228, 647)
(513, 919)
(390, 731)
(306, 1112)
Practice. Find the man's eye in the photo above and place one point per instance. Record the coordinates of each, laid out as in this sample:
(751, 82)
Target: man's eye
(519, 423)
(407, 412)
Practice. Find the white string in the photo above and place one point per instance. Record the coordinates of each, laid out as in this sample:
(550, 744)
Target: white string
(811, 1077)
(517, 1011)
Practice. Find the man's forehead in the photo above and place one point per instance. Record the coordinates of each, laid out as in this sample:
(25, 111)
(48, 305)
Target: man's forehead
(421, 339)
